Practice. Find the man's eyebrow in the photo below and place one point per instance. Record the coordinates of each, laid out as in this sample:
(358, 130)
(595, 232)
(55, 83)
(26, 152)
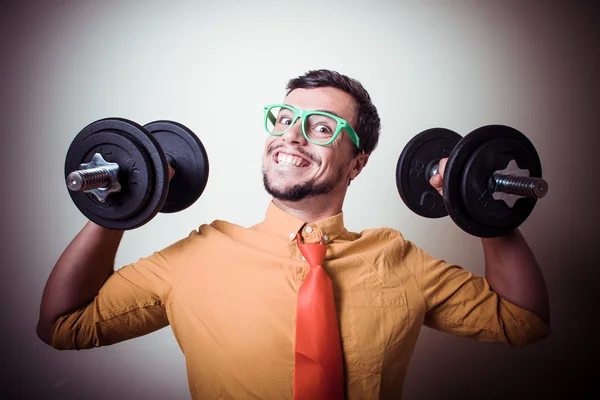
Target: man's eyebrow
(330, 112)
(320, 110)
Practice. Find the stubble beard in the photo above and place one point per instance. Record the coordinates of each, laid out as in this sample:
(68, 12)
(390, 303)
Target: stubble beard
(301, 191)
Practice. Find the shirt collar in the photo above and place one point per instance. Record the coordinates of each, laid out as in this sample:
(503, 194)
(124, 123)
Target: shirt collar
(280, 223)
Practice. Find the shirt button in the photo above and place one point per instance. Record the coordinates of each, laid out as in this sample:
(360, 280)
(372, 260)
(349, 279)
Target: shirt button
(326, 237)
(292, 235)
(308, 229)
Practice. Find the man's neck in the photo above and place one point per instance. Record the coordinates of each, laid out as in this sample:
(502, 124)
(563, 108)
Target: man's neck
(311, 209)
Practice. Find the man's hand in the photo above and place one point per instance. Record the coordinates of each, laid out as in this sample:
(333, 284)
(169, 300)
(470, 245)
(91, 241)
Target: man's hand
(511, 268)
(437, 180)
(171, 173)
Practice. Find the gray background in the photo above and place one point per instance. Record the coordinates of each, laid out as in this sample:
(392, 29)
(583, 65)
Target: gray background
(212, 66)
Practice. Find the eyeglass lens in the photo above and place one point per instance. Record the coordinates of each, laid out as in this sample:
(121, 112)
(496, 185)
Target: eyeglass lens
(319, 128)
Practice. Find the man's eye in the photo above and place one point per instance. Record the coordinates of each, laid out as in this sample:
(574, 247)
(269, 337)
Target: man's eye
(324, 129)
(285, 120)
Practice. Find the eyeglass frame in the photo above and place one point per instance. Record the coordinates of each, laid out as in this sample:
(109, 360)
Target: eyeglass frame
(302, 114)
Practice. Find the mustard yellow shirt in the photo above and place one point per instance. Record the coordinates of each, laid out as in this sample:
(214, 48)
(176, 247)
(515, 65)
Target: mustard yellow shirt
(229, 294)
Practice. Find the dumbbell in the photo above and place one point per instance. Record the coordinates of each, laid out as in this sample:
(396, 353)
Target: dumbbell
(491, 182)
(117, 171)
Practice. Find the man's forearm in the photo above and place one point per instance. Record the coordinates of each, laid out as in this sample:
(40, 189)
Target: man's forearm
(78, 275)
(513, 272)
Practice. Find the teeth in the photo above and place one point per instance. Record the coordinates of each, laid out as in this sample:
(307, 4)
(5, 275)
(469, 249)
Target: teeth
(287, 159)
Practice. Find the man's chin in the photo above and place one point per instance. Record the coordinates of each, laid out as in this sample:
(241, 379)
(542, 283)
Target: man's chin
(295, 193)
(291, 194)
(287, 192)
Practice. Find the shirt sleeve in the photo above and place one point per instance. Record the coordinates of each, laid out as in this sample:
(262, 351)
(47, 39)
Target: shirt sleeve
(462, 303)
(131, 303)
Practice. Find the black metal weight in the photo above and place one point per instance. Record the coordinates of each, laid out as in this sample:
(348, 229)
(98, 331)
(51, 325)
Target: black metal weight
(186, 154)
(117, 171)
(491, 161)
(415, 167)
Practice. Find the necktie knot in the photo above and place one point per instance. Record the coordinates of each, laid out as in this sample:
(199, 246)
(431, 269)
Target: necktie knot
(314, 253)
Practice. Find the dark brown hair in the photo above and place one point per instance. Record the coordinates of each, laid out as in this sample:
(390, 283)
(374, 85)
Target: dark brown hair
(368, 124)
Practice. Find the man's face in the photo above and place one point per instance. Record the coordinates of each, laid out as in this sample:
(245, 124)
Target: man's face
(294, 168)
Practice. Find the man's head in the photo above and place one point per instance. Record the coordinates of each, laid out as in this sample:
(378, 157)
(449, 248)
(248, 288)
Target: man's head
(294, 168)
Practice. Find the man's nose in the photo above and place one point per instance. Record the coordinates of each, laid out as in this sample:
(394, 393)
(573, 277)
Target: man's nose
(294, 133)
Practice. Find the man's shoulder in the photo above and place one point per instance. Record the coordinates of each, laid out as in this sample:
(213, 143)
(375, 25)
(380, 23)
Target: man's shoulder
(380, 232)
(223, 226)
(218, 225)
(209, 228)
(378, 237)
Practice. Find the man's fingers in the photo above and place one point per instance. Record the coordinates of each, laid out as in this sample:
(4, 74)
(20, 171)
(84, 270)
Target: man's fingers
(442, 166)
(171, 172)
(437, 180)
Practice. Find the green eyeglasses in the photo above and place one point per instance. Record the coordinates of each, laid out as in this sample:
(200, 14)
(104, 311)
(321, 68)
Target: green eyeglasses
(318, 127)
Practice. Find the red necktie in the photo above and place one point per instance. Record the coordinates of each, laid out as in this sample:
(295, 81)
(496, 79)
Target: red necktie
(318, 370)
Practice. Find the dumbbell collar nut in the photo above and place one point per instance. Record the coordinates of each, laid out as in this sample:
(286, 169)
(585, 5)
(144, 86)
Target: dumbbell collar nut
(98, 177)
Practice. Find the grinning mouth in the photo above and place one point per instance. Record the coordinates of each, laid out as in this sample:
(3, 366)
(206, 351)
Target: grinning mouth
(293, 160)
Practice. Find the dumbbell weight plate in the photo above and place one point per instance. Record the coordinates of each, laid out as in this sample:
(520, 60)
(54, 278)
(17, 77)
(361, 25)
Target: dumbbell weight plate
(467, 190)
(187, 156)
(417, 159)
(142, 173)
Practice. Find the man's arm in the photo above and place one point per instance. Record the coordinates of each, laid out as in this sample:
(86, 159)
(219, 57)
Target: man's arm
(78, 275)
(511, 268)
(513, 272)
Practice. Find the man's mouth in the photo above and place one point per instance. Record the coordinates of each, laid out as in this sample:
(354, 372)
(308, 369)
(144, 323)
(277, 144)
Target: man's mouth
(290, 160)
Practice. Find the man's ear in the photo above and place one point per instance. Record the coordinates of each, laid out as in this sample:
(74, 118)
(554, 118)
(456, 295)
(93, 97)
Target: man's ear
(359, 162)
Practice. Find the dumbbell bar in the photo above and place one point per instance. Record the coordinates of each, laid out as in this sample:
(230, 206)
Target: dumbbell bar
(492, 179)
(509, 183)
(117, 171)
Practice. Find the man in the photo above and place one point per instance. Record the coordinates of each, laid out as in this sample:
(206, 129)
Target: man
(236, 298)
